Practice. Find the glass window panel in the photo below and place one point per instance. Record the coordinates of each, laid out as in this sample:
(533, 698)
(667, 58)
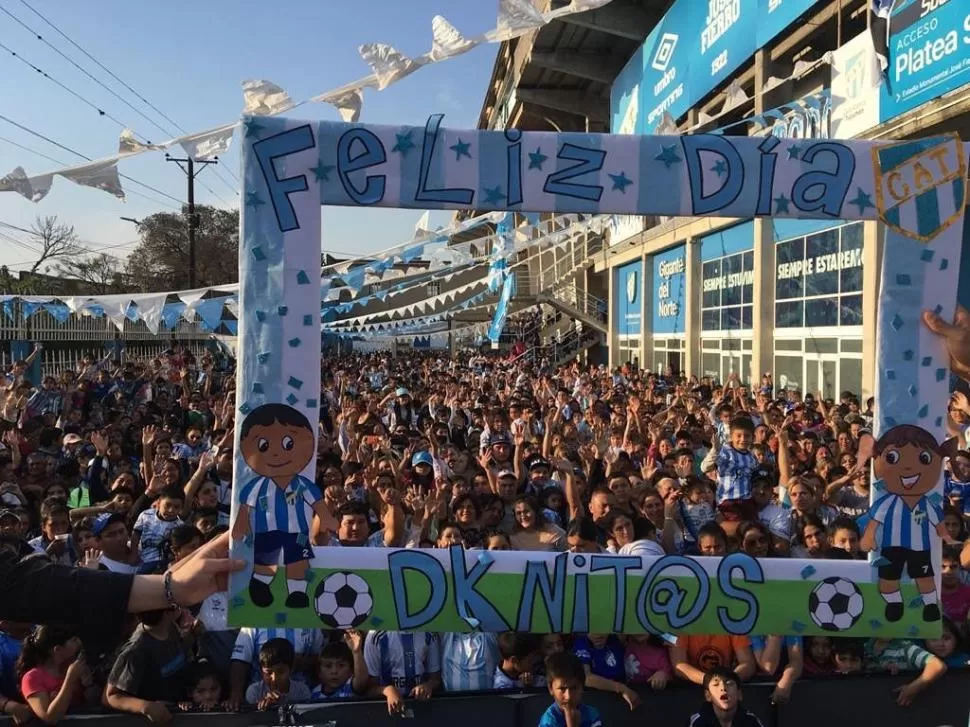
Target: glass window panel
(822, 253)
(749, 260)
(789, 314)
(787, 284)
(731, 318)
(745, 372)
(852, 258)
(711, 363)
(746, 313)
(851, 345)
(712, 271)
(711, 343)
(730, 344)
(732, 264)
(851, 280)
(747, 293)
(850, 375)
(850, 310)
(822, 312)
(788, 372)
(711, 320)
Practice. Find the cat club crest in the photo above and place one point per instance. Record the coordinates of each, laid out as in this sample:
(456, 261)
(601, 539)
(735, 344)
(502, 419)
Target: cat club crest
(920, 185)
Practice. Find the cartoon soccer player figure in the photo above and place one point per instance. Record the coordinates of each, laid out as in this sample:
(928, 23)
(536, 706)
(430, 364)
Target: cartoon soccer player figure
(909, 462)
(277, 507)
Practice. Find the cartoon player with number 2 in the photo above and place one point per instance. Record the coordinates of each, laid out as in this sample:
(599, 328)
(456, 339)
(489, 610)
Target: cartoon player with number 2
(277, 506)
(909, 462)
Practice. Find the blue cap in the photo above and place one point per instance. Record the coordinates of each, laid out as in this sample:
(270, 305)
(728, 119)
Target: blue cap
(105, 519)
(422, 458)
(402, 392)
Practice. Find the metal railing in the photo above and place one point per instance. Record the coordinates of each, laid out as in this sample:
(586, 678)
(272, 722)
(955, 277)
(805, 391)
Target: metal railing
(552, 266)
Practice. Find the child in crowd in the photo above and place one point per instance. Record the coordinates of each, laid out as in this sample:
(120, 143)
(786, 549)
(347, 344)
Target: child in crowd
(818, 656)
(955, 595)
(342, 672)
(276, 659)
(897, 656)
(566, 675)
(848, 656)
(603, 658)
(646, 661)
(149, 671)
(205, 688)
(735, 465)
(402, 664)
(53, 673)
(950, 647)
(153, 526)
(519, 653)
(722, 702)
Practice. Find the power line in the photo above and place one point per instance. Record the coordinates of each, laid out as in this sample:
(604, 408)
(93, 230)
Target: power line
(70, 60)
(140, 97)
(86, 158)
(101, 112)
(100, 65)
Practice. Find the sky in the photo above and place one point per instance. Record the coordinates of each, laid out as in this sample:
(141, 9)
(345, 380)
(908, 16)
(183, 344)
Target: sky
(189, 60)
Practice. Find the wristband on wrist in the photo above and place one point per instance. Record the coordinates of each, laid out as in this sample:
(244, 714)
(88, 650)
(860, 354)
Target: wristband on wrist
(167, 585)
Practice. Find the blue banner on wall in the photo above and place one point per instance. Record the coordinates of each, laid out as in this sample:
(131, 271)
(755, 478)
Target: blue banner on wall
(929, 54)
(629, 299)
(724, 39)
(669, 290)
(690, 52)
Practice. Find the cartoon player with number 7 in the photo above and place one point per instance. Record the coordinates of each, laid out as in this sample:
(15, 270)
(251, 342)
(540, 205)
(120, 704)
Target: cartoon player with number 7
(909, 462)
(277, 507)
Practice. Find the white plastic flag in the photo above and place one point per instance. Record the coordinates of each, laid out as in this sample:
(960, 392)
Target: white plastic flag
(447, 41)
(264, 98)
(388, 64)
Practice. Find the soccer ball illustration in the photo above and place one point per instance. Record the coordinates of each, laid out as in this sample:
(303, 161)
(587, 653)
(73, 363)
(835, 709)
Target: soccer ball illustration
(343, 600)
(835, 604)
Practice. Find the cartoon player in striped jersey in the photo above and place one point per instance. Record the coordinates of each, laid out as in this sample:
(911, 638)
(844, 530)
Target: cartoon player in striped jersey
(278, 505)
(908, 462)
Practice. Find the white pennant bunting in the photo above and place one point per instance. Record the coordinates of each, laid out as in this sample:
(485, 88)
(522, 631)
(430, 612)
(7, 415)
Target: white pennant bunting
(100, 175)
(388, 64)
(348, 103)
(264, 98)
(209, 143)
(735, 96)
(128, 144)
(447, 42)
(150, 311)
(17, 181)
(515, 18)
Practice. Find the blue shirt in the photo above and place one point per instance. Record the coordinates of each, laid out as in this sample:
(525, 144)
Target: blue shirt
(468, 661)
(905, 527)
(10, 649)
(734, 470)
(606, 662)
(553, 717)
(344, 691)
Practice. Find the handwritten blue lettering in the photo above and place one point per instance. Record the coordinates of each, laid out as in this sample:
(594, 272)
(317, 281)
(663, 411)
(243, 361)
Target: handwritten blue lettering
(423, 194)
(751, 572)
(619, 564)
(434, 573)
(588, 161)
(553, 594)
(649, 599)
(270, 149)
(468, 600)
(767, 180)
(360, 149)
(514, 156)
(825, 191)
(733, 183)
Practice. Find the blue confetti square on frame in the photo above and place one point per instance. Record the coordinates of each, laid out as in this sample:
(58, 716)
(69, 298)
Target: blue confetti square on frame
(283, 310)
(295, 383)
(294, 342)
(258, 253)
(261, 316)
(291, 400)
(926, 361)
(807, 572)
(262, 357)
(907, 355)
(281, 618)
(311, 403)
(257, 387)
(302, 278)
(308, 320)
(926, 255)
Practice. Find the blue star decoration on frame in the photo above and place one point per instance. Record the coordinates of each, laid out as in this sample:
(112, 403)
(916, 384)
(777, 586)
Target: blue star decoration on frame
(537, 159)
(620, 181)
(254, 200)
(781, 204)
(794, 152)
(461, 148)
(322, 171)
(719, 168)
(493, 195)
(668, 155)
(253, 127)
(404, 143)
(862, 200)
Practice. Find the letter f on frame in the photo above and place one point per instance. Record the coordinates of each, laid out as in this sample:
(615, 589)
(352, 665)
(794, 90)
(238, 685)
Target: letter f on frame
(270, 149)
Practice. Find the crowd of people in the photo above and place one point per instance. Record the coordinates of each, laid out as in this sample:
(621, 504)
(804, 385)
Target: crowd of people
(127, 466)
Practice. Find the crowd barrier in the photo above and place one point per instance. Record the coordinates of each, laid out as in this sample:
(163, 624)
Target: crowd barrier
(867, 700)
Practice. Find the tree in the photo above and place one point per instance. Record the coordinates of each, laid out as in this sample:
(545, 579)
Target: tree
(101, 272)
(56, 240)
(160, 262)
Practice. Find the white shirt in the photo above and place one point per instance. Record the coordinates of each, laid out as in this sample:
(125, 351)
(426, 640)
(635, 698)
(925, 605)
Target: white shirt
(116, 566)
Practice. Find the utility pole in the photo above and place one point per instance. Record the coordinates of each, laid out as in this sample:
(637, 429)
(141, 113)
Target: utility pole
(191, 172)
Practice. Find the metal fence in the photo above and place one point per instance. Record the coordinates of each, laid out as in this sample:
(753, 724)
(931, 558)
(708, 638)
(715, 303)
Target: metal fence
(65, 344)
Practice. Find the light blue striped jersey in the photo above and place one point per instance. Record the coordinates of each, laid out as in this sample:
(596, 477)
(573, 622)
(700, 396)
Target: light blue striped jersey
(404, 659)
(250, 641)
(734, 469)
(905, 527)
(288, 510)
(468, 661)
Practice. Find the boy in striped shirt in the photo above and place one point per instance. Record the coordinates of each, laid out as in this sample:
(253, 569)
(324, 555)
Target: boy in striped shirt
(735, 465)
(278, 505)
(908, 461)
